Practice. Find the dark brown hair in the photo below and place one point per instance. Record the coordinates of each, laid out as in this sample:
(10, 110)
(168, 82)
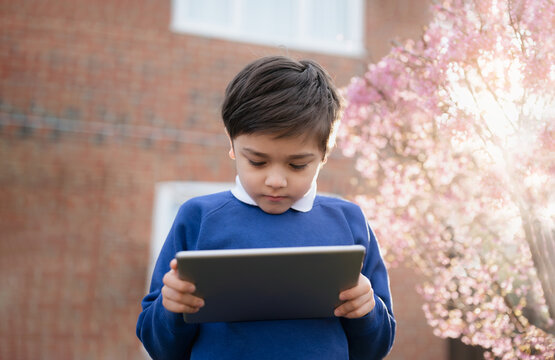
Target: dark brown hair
(281, 96)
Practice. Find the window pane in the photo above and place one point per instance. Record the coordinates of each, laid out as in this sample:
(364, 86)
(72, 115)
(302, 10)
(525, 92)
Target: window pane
(334, 26)
(273, 19)
(216, 12)
(328, 20)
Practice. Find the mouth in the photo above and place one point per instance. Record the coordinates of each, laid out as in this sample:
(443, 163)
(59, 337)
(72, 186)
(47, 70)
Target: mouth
(274, 198)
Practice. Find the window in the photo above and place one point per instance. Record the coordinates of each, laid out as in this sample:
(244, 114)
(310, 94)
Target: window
(329, 26)
(168, 198)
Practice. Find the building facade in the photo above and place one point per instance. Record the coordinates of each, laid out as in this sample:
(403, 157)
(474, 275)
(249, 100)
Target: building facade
(101, 103)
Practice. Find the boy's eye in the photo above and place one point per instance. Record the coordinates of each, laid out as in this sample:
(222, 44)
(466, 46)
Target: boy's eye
(257, 163)
(298, 166)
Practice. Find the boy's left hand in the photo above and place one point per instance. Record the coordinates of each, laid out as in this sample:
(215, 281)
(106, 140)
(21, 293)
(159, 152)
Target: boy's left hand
(359, 300)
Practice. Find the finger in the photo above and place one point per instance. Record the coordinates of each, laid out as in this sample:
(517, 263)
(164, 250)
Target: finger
(355, 311)
(177, 307)
(363, 287)
(184, 299)
(362, 310)
(173, 264)
(358, 313)
(353, 293)
(354, 305)
(172, 280)
(356, 292)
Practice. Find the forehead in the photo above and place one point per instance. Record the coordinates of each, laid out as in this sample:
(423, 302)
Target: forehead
(271, 145)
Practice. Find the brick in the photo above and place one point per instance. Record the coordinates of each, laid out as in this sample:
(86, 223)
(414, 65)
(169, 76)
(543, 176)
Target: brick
(76, 197)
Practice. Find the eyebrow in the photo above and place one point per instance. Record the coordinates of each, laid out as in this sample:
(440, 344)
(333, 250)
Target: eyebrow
(291, 157)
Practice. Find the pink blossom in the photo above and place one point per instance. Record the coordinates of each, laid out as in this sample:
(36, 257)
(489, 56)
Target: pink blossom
(455, 135)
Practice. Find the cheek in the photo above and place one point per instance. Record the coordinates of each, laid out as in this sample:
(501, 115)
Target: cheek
(314, 173)
(304, 182)
(241, 166)
(248, 176)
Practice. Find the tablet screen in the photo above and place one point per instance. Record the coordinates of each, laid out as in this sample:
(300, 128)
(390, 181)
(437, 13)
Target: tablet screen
(270, 283)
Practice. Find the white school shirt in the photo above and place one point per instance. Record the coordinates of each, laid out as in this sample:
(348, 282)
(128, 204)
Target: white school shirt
(304, 204)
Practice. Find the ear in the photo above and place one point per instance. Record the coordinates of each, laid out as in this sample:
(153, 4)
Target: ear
(324, 160)
(231, 151)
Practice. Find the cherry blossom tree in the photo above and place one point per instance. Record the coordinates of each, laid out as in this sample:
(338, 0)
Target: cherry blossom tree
(453, 135)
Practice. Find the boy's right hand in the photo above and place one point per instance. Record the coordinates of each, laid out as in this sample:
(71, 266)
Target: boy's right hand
(177, 294)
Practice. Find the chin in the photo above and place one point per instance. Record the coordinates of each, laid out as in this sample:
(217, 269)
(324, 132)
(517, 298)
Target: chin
(274, 210)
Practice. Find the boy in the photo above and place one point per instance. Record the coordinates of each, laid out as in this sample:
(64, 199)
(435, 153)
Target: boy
(280, 116)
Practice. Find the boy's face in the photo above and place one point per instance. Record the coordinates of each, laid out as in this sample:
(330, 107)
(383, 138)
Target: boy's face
(276, 172)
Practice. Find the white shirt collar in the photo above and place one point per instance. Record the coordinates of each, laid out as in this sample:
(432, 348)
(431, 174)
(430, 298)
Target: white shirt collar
(304, 204)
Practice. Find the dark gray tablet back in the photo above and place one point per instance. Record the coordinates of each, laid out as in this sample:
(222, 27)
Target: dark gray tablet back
(270, 284)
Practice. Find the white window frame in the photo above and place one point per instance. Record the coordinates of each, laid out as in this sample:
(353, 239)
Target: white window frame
(301, 41)
(167, 199)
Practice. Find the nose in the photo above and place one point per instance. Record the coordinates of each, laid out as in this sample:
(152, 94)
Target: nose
(275, 179)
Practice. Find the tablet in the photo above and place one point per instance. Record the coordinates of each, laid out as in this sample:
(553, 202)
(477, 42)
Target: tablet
(270, 283)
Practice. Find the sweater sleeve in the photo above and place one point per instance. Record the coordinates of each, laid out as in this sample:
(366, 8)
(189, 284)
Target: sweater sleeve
(371, 337)
(164, 334)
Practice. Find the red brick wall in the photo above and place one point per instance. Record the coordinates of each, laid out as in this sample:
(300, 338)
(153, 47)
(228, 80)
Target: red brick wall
(99, 101)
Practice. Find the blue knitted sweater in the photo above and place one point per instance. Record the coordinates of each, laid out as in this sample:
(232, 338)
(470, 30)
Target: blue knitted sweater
(220, 221)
